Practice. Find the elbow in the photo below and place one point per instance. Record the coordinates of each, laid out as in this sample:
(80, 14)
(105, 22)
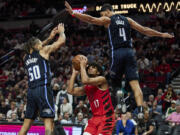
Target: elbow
(85, 81)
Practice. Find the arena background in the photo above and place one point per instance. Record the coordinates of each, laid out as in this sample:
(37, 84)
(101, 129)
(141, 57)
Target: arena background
(158, 59)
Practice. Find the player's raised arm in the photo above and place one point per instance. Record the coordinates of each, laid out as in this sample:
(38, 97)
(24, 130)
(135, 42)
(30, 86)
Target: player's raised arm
(56, 45)
(76, 91)
(87, 18)
(86, 79)
(51, 36)
(147, 31)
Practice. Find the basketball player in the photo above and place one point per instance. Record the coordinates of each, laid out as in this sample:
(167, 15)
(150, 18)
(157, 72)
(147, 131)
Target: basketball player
(40, 95)
(97, 90)
(123, 56)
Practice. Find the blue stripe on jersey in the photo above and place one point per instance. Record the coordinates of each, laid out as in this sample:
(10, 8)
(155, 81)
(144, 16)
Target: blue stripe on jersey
(111, 47)
(45, 88)
(47, 99)
(45, 71)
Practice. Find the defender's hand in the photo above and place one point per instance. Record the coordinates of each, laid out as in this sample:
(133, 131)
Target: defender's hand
(53, 33)
(68, 8)
(61, 28)
(167, 35)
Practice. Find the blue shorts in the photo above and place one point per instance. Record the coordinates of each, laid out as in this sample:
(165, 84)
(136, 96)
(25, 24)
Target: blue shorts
(40, 101)
(124, 62)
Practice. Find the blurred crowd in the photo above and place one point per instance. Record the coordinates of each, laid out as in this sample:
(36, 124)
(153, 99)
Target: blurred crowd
(157, 59)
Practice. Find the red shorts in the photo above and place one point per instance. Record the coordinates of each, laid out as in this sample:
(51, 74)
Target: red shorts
(100, 125)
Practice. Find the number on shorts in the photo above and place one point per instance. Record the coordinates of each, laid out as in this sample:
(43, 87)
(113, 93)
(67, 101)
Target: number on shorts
(122, 33)
(34, 73)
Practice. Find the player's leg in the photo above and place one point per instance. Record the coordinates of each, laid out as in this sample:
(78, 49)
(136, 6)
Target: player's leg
(45, 103)
(49, 126)
(31, 112)
(117, 69)
(132, 76)
(26, 126)
(91, 127)
(106, 125)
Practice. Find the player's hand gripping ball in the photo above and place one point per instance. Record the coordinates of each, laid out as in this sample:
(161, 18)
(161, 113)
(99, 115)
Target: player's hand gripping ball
(76, 62)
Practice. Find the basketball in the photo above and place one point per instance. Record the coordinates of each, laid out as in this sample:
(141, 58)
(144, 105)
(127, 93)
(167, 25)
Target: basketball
(76, 61)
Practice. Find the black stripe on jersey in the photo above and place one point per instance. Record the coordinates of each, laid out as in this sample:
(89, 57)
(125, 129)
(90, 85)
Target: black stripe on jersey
(109, 113)
(107, 128)
(108, 124)
(105, 101)
(105, 95)
(107, 106)
(109, 120)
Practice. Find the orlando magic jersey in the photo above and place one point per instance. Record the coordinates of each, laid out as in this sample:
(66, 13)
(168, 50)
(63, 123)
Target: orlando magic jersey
(38, 70)
(119, 32)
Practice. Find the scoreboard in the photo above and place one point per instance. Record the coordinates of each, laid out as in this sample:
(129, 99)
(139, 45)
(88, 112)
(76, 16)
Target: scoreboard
(143, 6)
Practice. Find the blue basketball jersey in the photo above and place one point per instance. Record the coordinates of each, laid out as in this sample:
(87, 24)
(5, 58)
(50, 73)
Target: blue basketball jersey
(38, 69)
(119, 32)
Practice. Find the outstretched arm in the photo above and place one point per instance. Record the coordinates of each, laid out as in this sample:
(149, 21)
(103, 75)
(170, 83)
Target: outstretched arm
(56, 45)
(87, 18)
(147, 31)
(51, 36)
(85, 78)
(77, 91)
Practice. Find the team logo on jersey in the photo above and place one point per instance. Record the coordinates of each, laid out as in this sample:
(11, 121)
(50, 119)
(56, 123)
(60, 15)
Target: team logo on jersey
(47, 110)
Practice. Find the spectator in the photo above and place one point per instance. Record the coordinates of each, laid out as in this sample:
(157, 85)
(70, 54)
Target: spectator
(143, 62)
(62, 94)
(3, 108)
(158, 101)
(147, 126)
(178, 99)
(20, 112)
(125, 126)
(150, 102)
(164, 69)
(66, 119)
(12, 110)
(66, 107)
(2, 117)
(171, 109)
(167, 97)
(174, 118)
(81, 107)
(80, 119)
(14, 118)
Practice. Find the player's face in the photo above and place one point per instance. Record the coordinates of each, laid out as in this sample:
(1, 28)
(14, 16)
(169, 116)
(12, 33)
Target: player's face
(92, 71)
(106, 13)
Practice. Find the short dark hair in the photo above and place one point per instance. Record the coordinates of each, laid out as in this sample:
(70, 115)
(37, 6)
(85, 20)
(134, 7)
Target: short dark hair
(106, 7)
(30, 44)
(99, 68)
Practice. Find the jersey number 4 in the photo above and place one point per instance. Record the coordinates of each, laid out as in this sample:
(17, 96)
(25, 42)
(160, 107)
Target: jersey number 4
(122, 33)
(34, 73)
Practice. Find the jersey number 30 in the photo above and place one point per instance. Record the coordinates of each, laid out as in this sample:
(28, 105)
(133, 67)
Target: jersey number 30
(34, 73)
(122, 33)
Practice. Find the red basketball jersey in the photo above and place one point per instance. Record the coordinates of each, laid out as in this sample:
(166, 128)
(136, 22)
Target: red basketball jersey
(100, 101)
